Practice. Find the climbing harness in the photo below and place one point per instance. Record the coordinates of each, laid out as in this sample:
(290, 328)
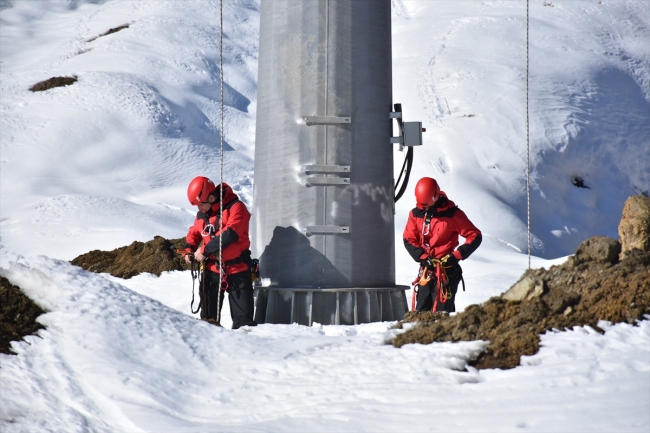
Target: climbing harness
(439, 275)
(208, 230)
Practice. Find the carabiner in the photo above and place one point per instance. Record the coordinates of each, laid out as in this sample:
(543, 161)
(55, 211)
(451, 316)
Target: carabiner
(224, 280)
(208, 230)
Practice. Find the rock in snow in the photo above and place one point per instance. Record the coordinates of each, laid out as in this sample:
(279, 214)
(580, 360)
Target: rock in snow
(634, 229)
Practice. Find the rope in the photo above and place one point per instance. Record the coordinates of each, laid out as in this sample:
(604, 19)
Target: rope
(527, 131)
(221, 267)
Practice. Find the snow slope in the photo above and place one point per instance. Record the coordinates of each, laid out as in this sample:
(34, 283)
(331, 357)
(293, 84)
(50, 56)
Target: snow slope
(114, 360)
(589, 111)
(106, 161)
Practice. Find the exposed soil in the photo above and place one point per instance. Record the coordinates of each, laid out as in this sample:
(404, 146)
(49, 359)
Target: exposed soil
(155, 256)
(591, 286)
(110, 31)
(53, 82)
(18, 315)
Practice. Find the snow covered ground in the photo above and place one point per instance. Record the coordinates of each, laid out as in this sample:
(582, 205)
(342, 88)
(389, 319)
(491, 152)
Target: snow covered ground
(116, 359)
(106, 161)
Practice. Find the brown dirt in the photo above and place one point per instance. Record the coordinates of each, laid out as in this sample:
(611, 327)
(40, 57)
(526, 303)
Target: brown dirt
(585, 289)
(53, 82)
(422, 316)
(18, 315)
(110, 31)
(155, 256)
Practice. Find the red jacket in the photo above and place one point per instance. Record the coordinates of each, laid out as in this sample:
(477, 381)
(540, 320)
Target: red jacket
(233, 233)
(440, 236)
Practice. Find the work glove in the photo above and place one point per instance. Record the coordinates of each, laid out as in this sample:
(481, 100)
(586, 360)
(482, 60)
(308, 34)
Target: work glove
(428, 264)
(449, 261)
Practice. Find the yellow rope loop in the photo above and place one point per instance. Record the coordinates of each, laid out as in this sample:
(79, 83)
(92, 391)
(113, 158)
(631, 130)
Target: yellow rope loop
(444, 293)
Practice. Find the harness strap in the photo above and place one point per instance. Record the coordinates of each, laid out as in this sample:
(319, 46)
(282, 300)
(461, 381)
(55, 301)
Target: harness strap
(426, 225)
(414, 297)
(244, 257)
(416, 283)
(442, 286)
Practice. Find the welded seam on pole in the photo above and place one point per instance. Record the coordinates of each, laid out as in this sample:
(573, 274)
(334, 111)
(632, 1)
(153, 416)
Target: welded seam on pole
(221, 264)
(527, 131)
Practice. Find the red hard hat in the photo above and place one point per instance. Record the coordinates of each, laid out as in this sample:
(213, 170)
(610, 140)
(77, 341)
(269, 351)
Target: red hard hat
(199, 190)
(427, 191)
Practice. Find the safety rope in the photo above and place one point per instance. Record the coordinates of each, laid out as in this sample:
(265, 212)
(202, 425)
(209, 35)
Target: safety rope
(527, 132)
(221, 266)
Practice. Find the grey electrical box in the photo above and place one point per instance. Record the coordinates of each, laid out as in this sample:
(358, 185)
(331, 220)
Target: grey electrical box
(412, 133)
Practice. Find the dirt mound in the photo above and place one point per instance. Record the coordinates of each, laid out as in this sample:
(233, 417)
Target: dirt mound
(50, 83)
(155, 256)
(18, 315)
(590, 286)
(421, 316)
(582, 291)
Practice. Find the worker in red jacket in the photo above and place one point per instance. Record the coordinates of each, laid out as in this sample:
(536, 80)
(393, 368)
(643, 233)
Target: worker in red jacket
(431, 238)
(210, 235)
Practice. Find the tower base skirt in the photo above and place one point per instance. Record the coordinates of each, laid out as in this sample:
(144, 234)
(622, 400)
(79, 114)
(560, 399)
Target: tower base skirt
(333, 306)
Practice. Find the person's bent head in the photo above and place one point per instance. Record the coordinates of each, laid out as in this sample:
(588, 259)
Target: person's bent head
(202, 192)
(427, 192)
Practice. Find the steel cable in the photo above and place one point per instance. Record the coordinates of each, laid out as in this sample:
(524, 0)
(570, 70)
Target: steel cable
(527, 131)
(221, 133)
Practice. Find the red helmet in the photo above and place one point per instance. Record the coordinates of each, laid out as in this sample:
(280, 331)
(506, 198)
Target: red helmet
(427, 191)
(199, 190)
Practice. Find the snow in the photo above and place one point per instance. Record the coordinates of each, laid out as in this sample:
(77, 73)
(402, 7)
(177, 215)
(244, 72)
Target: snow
(116, 359)
(106, 161)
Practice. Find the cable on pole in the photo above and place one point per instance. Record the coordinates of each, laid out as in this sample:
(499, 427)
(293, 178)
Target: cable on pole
(406, 169)
(527, 130)
(221, 133)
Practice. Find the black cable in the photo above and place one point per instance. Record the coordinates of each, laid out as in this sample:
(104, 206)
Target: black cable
(409, 163)
(401, 172)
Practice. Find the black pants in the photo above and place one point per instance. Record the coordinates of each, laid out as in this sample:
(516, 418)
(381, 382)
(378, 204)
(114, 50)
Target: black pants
(427, 294)
(240, 297)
